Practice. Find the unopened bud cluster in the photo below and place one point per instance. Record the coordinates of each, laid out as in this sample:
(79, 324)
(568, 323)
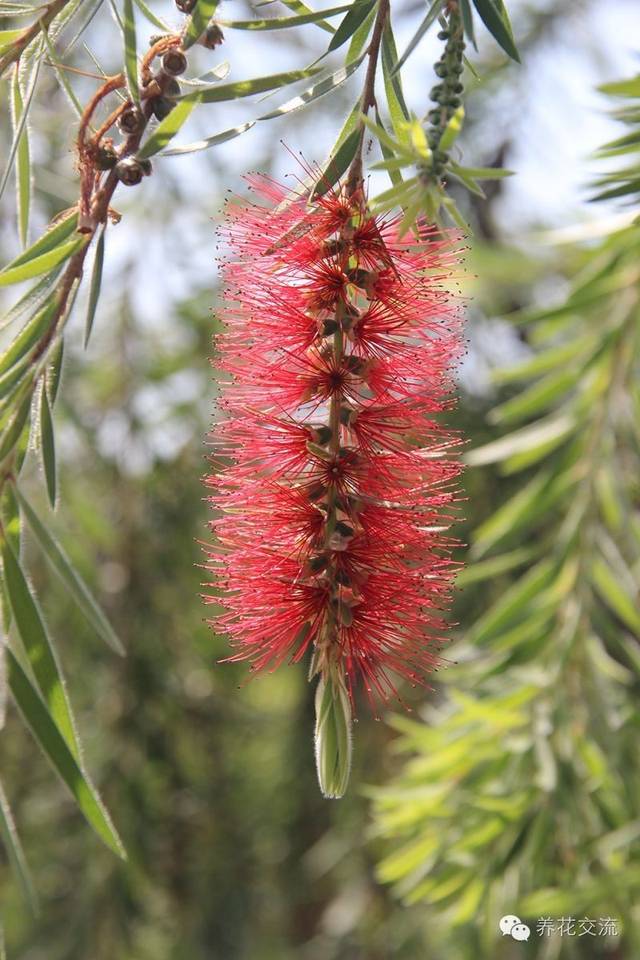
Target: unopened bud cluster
(446, 94)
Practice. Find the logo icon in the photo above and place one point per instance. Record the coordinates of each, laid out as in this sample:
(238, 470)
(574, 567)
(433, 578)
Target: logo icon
(512, 926)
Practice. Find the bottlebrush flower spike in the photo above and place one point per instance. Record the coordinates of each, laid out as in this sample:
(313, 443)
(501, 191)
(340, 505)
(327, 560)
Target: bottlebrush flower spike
(333, 478)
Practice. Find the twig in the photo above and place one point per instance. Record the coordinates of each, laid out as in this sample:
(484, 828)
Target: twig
(355, 176)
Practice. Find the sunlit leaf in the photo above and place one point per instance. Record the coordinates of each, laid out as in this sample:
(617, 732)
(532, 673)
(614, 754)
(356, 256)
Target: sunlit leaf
(358, 12)
(247, 88)
(543, 431)
(167, 128)
(319, 89)
(284, 23)
(297, 6)
(130, 49)
(208, 142)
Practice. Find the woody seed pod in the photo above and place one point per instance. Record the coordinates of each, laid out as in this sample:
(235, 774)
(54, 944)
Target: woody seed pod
(130, 171)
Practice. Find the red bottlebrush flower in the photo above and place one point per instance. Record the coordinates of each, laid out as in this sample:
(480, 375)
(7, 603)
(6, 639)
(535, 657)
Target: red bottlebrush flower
(333, 478)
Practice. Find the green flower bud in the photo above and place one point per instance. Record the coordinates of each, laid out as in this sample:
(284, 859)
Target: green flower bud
(333, 736)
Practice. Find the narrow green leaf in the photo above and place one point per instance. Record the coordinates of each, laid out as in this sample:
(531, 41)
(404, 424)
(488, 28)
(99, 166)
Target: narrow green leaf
(221, 72)
(494, 15)
(41, 653)
(41, 264)
(467, 22)
(513, 603)
(23, 161)
(13, 432)
(167, 128)
(53, 237)
(86, 23)
(623, 190)
(494, 566)
(537, 398)
(151, 17)
(55, 372)
(130, 49)
(247, 88)
(541, 432)
(48, 445)
(297, 6)
(32, 299)
(61, 758)
(61, 74)
(520, 510)
(452, 130)
(390, 158)
(17, 133)
(15, 853)
(95, 286)
(357, 14)
(612, 592)
(459, 174)
(62, 567)
(199, 21)
(431, 16)
(621, 88)
(319, 89)
(28, 337)
(337, 164)
(484, 173)
(283, 23)
(10, 380)
(360, 37)
(396, 148)
(209, 141)
(393, 84)
(8, 36)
